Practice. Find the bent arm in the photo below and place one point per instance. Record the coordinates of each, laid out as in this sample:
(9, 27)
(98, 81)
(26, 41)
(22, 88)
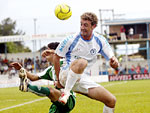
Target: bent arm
(56, 62)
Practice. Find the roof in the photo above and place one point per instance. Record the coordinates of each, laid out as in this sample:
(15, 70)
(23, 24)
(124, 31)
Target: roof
(127, 21)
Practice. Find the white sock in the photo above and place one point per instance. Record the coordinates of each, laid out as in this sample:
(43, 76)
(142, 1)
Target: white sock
(71, 80)
(107, 109)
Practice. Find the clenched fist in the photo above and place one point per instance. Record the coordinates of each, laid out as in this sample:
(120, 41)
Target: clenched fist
(114, 62)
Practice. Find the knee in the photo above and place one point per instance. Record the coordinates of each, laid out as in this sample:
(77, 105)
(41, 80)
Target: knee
(79, 65)
(111, 103)
(54, 94)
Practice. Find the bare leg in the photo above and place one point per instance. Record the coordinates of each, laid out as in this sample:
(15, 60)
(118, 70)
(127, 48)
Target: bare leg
(103, 95)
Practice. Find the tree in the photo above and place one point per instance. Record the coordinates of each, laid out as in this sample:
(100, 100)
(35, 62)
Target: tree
(8, 27)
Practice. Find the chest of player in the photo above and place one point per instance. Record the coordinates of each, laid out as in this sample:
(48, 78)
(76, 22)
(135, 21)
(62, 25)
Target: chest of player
(85, 49)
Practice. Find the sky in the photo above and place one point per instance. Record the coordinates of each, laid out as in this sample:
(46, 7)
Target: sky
(25, 11)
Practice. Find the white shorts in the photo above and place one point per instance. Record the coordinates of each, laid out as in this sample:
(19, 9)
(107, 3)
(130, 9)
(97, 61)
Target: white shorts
(82, 85)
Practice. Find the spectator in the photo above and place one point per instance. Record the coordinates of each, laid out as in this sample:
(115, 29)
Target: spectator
(29, 67)
(138, 69)
(37, 63)
(5, 68)
(5, 61)
(1, 68)
(131, 32)
(122, 33)
(146, 69)
(133, 69)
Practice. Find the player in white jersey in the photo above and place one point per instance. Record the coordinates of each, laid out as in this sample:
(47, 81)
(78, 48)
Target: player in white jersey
(80, 52)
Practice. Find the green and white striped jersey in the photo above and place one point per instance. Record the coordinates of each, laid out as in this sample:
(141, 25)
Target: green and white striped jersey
(49, 73)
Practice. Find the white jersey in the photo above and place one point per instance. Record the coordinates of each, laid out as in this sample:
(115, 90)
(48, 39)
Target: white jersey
(74, 47)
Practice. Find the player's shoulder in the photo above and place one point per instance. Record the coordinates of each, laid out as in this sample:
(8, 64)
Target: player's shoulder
(70, 38)
(98, 35)
(73, 36)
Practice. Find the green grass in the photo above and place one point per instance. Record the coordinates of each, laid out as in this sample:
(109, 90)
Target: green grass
(132, 97)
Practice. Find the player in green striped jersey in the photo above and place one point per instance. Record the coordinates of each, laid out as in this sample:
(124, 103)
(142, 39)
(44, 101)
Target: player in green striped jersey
(52, 93)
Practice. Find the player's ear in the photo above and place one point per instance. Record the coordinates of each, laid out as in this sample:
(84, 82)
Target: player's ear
(94, 26)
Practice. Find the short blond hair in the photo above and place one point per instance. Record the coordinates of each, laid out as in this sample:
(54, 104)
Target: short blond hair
(91, 17)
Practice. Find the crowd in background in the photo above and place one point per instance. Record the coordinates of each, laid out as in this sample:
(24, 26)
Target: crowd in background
(135, 69)
(27, 63)
(42, 63)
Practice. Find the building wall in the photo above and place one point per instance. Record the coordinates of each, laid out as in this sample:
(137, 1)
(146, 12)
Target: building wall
(115, 29)
(139, 30)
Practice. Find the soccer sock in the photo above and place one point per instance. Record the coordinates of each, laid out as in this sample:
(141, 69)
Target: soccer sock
(107, 109)
(38, 90)
(71, 80)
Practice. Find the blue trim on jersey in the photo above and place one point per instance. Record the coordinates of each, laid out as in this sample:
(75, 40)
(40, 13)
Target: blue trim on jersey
(63, 44)
(68, 56)
(84, 39)
(106, 57)
(101, 51)
(99, 43)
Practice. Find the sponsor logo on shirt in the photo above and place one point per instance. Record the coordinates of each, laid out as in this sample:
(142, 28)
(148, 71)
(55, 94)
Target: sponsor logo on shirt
(93, 51)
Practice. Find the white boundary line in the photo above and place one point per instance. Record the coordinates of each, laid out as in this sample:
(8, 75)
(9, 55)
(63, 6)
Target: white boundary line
(112, 84)
(22, 104)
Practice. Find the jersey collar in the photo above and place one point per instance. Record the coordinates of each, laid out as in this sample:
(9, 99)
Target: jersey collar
(86, 40)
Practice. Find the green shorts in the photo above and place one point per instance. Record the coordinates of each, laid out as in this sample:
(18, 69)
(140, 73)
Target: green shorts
(58, 107)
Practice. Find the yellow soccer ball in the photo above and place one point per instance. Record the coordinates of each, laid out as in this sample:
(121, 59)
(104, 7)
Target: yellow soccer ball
(63, 11)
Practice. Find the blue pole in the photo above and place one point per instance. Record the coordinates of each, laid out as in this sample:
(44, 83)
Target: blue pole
(147, 46)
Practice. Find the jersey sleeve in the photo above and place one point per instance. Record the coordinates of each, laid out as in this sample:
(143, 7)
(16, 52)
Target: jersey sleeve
(46, 74)
(63, 47)
(106, 49)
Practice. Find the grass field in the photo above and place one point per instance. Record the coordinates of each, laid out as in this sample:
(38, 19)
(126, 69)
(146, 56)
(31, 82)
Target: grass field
(132, 97)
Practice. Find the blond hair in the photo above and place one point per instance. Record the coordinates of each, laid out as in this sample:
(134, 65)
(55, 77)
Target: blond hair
(90, 17)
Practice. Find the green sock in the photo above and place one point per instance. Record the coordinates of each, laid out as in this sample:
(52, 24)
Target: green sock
(38, 90)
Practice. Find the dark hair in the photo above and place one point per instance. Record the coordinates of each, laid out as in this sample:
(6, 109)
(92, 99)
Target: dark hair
(53, 45)
(90, 17)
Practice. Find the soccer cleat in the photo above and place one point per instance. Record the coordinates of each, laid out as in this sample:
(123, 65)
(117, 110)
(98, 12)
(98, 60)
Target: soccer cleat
(23, 80)
(64, 97)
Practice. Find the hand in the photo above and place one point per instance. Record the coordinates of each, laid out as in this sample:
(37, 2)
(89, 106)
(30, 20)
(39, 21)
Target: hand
(16, 65)
(114, 62)
(58, 84)
(47, 52)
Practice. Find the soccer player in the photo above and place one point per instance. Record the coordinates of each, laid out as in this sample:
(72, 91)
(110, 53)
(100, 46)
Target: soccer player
(80, 52)
(52, 93)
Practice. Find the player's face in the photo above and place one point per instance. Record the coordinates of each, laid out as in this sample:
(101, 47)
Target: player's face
(50, 58)
(86, 29)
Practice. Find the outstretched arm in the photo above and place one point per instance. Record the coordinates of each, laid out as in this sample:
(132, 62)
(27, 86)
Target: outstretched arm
(30, 76)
